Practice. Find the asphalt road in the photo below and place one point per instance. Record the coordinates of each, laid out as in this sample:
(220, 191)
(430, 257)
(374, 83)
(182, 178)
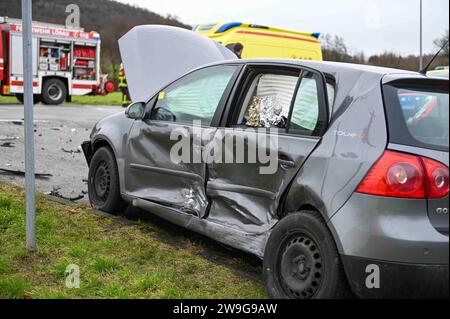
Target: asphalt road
(59, 132)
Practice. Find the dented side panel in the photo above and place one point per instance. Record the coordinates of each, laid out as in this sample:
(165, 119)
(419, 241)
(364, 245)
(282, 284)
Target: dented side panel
(251, 243)
(354, 141)
(246, 196)
(152, 175)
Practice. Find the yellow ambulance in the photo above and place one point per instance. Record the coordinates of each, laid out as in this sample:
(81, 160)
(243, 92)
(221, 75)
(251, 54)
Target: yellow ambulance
(264, 42)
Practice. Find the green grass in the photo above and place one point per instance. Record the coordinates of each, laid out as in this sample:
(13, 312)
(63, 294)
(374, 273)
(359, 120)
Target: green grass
(8, 100)
(115, 260)
(114, 98)
(13, 287)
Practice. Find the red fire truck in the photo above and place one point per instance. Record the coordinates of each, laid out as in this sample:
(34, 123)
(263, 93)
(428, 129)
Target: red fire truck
(66, 62)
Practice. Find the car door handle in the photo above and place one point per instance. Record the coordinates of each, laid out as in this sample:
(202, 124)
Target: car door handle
(286, 163)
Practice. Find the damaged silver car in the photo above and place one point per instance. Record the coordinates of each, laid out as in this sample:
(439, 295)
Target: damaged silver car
(336, 175)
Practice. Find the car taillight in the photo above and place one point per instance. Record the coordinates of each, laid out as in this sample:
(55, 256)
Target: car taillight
(437, 178)
(406, 176)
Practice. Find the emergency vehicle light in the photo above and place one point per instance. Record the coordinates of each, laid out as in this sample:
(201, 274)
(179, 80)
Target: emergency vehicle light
(228, 26)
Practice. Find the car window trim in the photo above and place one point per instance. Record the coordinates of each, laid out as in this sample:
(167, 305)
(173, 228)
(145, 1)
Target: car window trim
(294, 99)
(322, 99)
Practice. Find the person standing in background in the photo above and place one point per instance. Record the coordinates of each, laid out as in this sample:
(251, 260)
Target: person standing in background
(123, 86)
(238, 48)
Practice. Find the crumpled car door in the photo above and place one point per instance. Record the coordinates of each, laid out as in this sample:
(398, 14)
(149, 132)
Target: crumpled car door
(246, 195)
(164, 150)
(152, 175)
(156, 55)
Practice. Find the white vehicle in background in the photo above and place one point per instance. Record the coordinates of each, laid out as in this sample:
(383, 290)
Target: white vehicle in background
(66, 62)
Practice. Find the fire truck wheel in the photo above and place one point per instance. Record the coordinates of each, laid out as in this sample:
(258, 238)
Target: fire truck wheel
(54, 92)
(36, 98)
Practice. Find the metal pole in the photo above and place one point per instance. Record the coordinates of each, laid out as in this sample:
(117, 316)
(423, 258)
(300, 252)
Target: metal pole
(29, 127)
(421, 37)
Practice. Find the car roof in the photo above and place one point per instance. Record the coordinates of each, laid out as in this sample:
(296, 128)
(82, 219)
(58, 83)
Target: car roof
(327, 67)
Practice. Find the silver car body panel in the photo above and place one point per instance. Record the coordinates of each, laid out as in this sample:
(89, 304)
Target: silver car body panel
(388, 229)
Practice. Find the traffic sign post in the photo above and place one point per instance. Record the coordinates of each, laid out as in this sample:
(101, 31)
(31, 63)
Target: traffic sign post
(30, 196)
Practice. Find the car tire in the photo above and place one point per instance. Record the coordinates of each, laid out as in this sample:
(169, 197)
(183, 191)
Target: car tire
(54, 92)
(103, 182)
(301, 260)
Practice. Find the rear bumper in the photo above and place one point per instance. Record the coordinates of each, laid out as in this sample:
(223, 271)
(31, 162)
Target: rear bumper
(396, 280)
(395, 235)
(389, 229)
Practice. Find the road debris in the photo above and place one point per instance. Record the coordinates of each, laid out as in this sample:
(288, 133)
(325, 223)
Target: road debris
(22, 173)
(7, 144)
(71, 151)
(75, 210)
(55, 192)
(8, 138)
(67, 167)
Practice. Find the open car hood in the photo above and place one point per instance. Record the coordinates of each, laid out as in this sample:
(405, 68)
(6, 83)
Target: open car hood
(156, 55)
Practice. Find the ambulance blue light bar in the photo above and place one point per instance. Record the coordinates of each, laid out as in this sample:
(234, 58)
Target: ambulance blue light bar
(228, 26)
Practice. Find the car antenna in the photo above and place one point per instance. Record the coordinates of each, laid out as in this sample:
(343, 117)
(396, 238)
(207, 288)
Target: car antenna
(425, 69)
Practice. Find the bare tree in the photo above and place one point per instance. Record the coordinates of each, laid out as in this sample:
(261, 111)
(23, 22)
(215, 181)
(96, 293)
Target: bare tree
(441, 42)
(335, 49)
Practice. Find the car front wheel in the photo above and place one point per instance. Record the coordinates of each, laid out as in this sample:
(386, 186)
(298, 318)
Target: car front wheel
(103, 182)
(301, 260)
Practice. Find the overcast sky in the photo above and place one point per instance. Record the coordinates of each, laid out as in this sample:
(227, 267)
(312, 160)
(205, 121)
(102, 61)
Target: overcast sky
(370, 25)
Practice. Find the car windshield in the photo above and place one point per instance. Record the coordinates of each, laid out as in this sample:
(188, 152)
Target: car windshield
(423, 119)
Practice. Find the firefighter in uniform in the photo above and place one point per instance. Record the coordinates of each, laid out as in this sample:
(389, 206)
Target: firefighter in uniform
(123, 86)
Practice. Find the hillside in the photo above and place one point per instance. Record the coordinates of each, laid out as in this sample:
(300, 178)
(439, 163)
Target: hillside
(110, 18)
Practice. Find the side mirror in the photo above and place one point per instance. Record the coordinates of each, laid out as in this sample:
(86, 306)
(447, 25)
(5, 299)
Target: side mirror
(135, 111)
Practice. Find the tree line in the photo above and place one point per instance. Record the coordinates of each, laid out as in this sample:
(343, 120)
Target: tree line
(113, 19)
(335, 49)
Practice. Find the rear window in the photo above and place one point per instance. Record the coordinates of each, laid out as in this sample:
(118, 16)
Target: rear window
(418, 114)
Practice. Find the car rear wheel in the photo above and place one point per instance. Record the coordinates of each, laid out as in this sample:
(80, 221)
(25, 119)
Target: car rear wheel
(54, 92)
(103, 182)
(301, 260)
